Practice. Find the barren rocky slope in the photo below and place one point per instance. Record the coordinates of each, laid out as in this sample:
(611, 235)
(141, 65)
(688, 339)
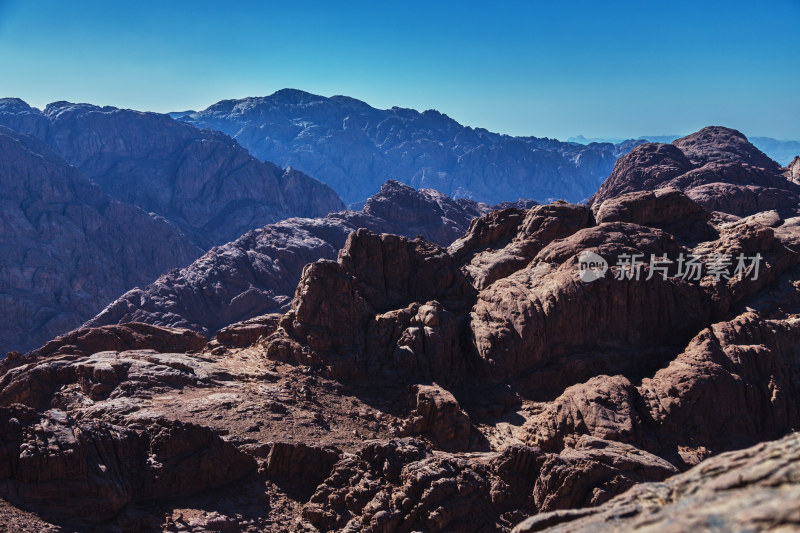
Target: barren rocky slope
(414, 387)
(354, 148)
(715, 166)
(755, 489)
(67, 247)
(258, 273)
(201, 181)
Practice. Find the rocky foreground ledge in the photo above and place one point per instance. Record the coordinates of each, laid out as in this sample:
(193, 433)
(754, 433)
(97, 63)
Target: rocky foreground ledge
(756, 489)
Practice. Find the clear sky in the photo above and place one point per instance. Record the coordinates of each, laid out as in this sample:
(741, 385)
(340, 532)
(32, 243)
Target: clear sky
(555, 69)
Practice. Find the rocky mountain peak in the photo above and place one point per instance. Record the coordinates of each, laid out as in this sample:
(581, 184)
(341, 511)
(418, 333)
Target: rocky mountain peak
(716, 166)
(354, 148)
(717, 143)
(15, 105)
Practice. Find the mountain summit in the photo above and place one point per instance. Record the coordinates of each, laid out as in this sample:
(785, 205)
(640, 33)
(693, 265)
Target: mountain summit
(354, 148)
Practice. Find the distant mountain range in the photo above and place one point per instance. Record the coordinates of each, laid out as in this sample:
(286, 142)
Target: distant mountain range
(66, 247)
(140, 194)
(354, 148)
(99, 200)
(201, 181)
(782, 151)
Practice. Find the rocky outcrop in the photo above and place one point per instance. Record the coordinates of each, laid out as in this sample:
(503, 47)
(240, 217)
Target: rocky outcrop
(203, 182)
(713, 144)
(91, 470)
(717, 167)
(439, 416)
(751, 489)
(68, 248)
(257, 274)
(402, 486)
(792, 171)
(525, 234)
(516, 323)
(354, 147)
(408, 390)
(131, 336)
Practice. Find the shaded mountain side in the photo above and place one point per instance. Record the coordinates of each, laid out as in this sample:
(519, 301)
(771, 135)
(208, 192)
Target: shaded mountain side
(354, 148)
(66, 248)
(258, 273)
(201, 181)
(412, 387)
(718, 167)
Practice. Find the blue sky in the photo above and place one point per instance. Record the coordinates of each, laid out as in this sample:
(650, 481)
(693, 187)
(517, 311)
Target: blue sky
(553, 69)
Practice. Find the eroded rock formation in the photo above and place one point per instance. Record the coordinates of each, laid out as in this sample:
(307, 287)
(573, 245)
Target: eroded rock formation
(717, 167)
(413, 387)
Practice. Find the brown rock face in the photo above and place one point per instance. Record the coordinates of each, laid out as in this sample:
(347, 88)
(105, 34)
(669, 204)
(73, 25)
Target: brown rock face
(91, 470)
(132, 336)
(439, 416)
(717, 167)
(716, 143)
(526, 234)
(792, 171)
(258, 273)
(752, 489)
(416, 388)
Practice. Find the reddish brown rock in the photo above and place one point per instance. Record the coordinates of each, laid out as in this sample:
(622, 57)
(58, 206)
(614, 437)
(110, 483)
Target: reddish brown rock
(715, 143)
(541, 225)
(519, 322)
(400, 486)
(258, 273)
(752, 489)
(593, 472)
(717, 167)
(604, 407)
(39, 382)
(733, 386)
(439, 416)
(792, 171)
(130, 336)
(667, 209)
(248, 332)
(90, 470)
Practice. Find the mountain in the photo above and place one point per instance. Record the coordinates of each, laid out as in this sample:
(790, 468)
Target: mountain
(354, 148)
(522, 371)
(201, 181)
(67, 247)
(616, 140)
(781, 151)
(718, 167)
(258, 273)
